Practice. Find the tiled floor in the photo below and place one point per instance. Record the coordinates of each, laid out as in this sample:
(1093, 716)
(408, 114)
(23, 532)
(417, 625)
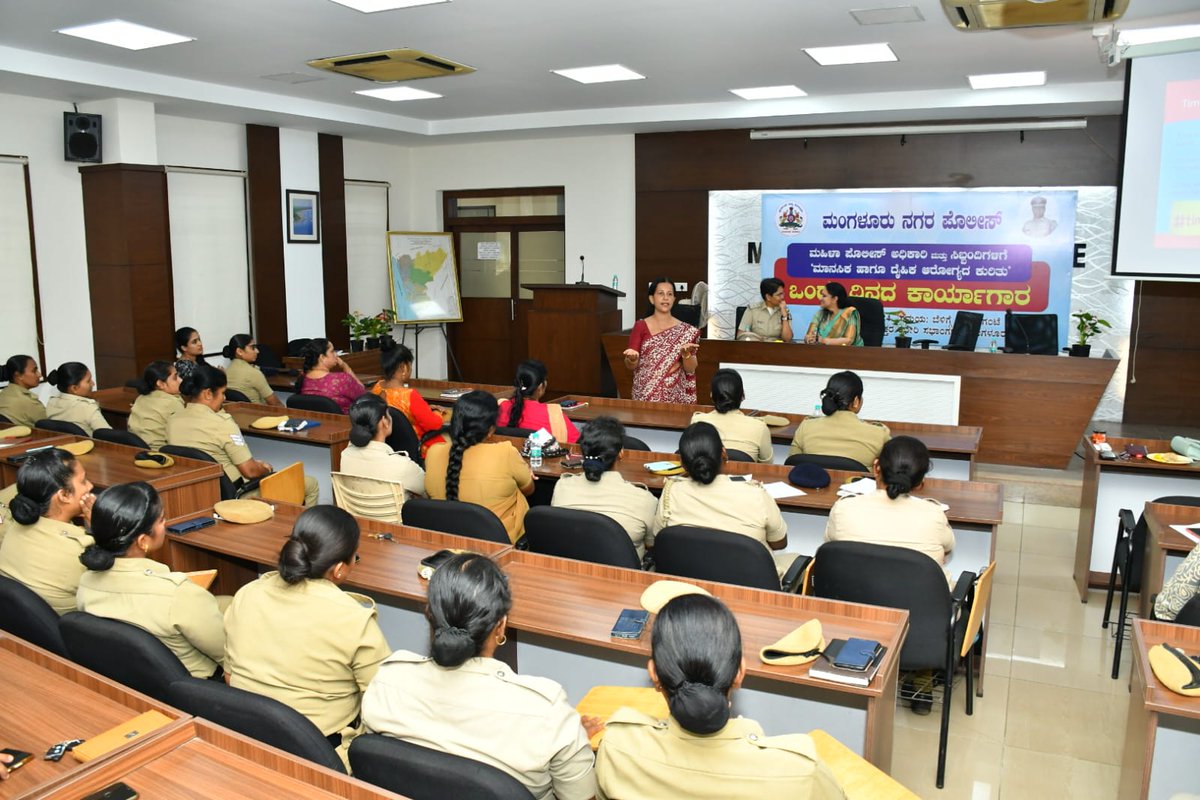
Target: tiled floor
(1052, 722)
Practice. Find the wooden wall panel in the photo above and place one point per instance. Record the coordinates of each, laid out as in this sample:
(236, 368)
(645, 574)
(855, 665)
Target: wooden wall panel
(268, 301)
(1167, 363)
(332, 174)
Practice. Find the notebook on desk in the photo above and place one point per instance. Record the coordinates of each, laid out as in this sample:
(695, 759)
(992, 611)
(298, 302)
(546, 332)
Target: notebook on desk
(824, 668)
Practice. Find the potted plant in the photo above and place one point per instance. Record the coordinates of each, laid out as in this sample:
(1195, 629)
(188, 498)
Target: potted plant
(356, 326)
(902, 325)
(1087, 325)
(378, 329)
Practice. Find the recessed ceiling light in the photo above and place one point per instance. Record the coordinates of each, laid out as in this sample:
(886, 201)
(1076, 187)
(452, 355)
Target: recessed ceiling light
(851, 54)
(129, 35)
(1007, 80)
(769, 92)
(605, 73)
(395, 93)
(371, 6)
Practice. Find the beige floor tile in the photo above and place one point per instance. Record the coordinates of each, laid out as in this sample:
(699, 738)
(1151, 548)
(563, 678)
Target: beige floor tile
(1004, 603)
(986, 723)
(1030, 775)
(1041, 571)
(972, 765)
(1050, 516)
(999, 650)
(1068, 659)
(1008, 566)
(1013, 512)
(1048, 541)
(1046, 609)
(1008, 536)
(1065, 721)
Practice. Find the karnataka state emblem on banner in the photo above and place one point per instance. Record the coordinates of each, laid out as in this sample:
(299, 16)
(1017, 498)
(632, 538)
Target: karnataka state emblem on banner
(789, 219)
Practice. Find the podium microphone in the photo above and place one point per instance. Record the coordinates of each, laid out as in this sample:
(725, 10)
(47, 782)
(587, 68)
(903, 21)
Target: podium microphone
(582, 280)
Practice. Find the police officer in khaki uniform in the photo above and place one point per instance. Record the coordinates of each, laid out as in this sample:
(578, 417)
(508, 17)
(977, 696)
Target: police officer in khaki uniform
(700, 752)
(368, 456)
(840, 432)
(6, 496)
(738, 432)
(244, 377)
(124, 583)
(769, 320)
(465, 702)
(158, 400)
(203, 425)
(296, 636)
(74, 403)
(18, 403)
(42, 545)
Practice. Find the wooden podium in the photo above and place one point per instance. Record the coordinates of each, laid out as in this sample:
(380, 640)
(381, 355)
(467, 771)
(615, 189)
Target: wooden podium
(564, 326)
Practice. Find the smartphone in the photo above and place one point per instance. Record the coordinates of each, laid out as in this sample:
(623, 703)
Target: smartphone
(630, 624)
(19, 758)
(189, 525)
(572, 462)
(430, 563)
(569, 403)
(118, 791)
(857, 654)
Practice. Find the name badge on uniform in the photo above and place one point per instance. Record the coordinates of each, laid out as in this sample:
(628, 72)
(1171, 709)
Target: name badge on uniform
(237, 439)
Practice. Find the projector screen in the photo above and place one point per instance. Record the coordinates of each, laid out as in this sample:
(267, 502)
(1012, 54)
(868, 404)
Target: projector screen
(1158, 203)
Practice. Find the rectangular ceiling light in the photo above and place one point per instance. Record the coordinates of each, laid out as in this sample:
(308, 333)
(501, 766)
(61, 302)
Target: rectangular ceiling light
(371, 6)
(397, 93)
(769, 92)
(851, 54)
(1007, 80)
(129, 35)
(605, 73)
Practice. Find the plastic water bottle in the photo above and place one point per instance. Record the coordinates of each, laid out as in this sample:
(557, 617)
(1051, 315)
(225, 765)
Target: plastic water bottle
(535, 457)
(992, 346)
(614, 283)
(817, 410)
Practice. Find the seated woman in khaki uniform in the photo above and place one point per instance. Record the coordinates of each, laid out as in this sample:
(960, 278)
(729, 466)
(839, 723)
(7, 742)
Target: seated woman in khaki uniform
(368, 455)
(738, 432)
(158, 400)
(700, 752)
(294, 635)
(244, 376)
(124, 583)
(840, 432)
(892, 515)
(461, 700)
(74, 403)
(18, 404)
(474, 470)
(709, 499)
(42, 544)
(601, 489)
(203, 425)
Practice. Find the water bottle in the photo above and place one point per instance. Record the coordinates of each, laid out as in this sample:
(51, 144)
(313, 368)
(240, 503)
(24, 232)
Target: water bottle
(817, 410)
(614, 283)
(535, 457)
(992, 346)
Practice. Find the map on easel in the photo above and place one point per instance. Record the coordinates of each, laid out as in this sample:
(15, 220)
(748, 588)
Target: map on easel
(423, 275)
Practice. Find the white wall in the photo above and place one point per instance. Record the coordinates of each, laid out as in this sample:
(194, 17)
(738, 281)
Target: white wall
(305, 286)
(367, 267)
(184, 142)
(597, 174)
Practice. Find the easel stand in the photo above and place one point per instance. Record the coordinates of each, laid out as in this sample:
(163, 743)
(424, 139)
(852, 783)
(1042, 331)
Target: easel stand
(417, 330)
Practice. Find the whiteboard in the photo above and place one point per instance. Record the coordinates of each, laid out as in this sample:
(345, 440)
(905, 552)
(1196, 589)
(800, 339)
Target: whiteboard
(892, 396)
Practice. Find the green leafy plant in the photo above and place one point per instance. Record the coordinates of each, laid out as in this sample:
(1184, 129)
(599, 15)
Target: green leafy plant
(900, 322)
(380, 324)
(1088, 325)
(355, 325)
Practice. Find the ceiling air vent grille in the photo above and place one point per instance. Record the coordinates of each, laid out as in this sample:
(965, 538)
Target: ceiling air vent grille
(986, 15)
(390, 66)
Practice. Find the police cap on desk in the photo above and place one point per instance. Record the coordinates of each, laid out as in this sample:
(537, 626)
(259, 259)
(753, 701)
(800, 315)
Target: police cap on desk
(1175, 669)
(808, 476)
(659, 593)
(80, 448)
(244, 512)
(268, 423)
(15, 432)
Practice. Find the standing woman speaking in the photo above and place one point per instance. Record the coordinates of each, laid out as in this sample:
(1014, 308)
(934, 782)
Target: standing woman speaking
(663, 351)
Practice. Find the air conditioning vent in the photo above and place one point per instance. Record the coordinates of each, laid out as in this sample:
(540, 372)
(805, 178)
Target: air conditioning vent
(989, 15)
(390, 66)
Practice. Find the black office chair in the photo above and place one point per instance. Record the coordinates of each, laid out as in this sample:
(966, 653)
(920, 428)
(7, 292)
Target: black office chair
(870, 319)
(268, 359)
(963, 336)
(260, 717)
(738, 455)
(686, 313)
(1036, 334)
(709, 554)
(120, 437)
(5, 420)
(59, 426)
(738, 313)
(1128, 562)
(634, 443)
(1190, 613)
(313, 402)
(581, 535)
(123, 652)
(30, 617)
(404, 437)
(230, 490)
(234, 396)
(454, 516)
(425, 774)
(826, 462)
(505, 430)
(295, 348)
(942, 623)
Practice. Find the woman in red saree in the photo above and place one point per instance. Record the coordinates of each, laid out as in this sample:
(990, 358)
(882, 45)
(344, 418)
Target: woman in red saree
(662, 351)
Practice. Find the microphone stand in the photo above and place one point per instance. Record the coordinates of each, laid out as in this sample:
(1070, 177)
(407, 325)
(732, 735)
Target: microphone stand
(582, 280)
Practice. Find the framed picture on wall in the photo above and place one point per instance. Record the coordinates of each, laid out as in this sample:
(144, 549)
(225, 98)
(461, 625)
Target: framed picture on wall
(303, 216)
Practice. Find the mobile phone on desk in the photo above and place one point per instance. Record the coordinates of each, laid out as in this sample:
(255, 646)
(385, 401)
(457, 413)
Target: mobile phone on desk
(430, 563)
(19, 758)
(572, 462)
(118, 791)
(630, 624)
(190, 525)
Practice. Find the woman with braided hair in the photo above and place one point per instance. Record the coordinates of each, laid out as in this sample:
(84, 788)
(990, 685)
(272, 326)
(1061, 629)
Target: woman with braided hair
(474, 470)
(526, 409)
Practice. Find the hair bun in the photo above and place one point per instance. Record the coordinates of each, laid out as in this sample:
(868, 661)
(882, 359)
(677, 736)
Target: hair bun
(699, 708)
(451, 646)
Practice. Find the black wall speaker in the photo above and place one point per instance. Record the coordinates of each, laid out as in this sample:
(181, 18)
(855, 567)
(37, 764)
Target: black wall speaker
(81, 137)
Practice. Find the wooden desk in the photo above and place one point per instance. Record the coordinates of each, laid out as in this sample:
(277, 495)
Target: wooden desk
(1165, 548)
(1162, 733)
(47, 700)
(1109, 486)
(37, 438)
(949, 444)
(563, 612)
(1032, 408)
(361, 361)
(186, 487)
(200, 759)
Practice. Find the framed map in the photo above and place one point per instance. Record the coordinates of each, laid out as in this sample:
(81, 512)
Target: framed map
(423, 274)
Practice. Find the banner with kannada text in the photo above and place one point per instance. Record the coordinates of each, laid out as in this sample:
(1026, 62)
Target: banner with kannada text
(928, 254)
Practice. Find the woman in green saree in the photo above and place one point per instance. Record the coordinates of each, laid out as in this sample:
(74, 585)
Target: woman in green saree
(835, 322)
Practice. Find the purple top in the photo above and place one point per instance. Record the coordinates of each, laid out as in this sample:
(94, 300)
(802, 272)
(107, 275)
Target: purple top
(337, 386)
